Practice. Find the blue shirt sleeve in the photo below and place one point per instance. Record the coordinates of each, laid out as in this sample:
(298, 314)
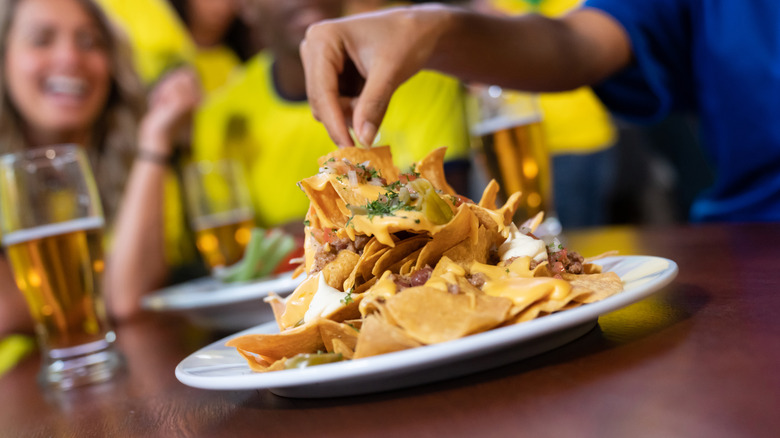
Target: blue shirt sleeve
(659, 79)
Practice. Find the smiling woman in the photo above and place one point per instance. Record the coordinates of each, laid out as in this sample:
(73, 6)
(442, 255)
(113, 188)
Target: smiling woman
(66, 76)
(65, 80)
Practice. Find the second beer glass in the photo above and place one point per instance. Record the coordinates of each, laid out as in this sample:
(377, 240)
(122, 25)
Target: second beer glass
(507, 127)
(220, 210)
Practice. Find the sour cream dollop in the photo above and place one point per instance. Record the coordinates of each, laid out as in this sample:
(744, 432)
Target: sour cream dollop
(519, 244)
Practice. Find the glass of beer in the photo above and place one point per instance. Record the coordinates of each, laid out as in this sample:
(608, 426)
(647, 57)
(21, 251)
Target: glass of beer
(52, 231)
(220, 210)
(506, 127)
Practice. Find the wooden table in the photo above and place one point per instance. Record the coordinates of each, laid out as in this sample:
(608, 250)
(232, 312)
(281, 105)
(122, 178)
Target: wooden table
(699, 359)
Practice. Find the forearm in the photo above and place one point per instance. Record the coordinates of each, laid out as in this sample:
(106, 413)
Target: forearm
(530, 52)
(136, 263)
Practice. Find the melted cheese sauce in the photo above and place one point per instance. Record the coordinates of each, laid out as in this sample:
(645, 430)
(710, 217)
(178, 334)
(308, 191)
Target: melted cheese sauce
(324, 302)
(524, 291)
(312, 299)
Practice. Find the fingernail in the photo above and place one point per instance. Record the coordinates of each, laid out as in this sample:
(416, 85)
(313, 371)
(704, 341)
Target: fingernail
(367, 133)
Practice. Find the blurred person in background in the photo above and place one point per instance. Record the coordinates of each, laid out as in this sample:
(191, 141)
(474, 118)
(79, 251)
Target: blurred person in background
(161, 43)
(263, 120)
(159, 39)
(718, 58)
(222, 38)
(66, 78)
(578, 131)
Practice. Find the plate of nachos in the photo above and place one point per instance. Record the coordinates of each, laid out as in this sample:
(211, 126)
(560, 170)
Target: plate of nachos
(407, 282)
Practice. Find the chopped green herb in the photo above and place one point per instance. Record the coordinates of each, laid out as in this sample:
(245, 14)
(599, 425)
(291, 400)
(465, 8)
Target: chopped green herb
(306, 223)
(386, 207)
(413, 170)
(348, 299)
(368, 172)
(395, 185)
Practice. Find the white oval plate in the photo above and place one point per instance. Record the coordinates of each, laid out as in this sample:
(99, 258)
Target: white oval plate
(219, 367)
(212, 303)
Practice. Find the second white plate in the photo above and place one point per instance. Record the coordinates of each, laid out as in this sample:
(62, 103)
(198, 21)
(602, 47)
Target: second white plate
(212, 303)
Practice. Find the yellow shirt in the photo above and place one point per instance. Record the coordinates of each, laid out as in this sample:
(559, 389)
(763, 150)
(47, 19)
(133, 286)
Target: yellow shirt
(13, 348)
(278, 141)
(158, 37)
(215, 66)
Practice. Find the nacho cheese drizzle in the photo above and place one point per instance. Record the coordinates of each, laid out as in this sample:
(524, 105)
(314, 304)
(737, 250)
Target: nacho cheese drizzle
(399, 260)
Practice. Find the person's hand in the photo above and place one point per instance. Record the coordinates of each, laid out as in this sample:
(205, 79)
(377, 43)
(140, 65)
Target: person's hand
(382, 49)
(171, 104)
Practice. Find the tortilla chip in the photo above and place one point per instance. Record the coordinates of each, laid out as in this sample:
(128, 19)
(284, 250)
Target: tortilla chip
(277, 307)
(333, 333)
(488, 200)
(365, 264)
(303, 339)
(382, 289)
(406, 266)
(378, 157)
(347, 311)
(340, 268)
(377, 337)
(432, 168)
(340, 347)
(463, 226)
(524, 292)
(534, 222)
(260, 365)
(399, 253)
(430, 315)
(595, 287)
(470, 250)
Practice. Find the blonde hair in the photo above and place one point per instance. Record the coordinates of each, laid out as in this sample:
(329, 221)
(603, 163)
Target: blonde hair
(114, 134)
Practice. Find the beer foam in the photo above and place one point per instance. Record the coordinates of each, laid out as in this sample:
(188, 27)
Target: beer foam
(225, 218)
(21, 236)
(502, 122)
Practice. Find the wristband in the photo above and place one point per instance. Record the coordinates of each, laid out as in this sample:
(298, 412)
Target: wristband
(153, 157)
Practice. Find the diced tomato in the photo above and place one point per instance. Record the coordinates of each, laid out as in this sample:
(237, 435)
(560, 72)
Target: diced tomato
(323, 236)
(406, 177)
(460, 199)
(285, 264)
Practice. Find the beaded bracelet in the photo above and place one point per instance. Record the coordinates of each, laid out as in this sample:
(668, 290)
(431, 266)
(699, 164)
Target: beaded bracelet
(153, 157)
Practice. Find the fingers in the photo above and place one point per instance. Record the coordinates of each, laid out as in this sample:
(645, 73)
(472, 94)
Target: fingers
(171, 105)
(372, 104)
(323, 58)
(178, 92)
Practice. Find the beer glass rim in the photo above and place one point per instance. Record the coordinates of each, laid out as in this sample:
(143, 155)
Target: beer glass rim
(194, 188)
(19, 166)
(49, 152)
